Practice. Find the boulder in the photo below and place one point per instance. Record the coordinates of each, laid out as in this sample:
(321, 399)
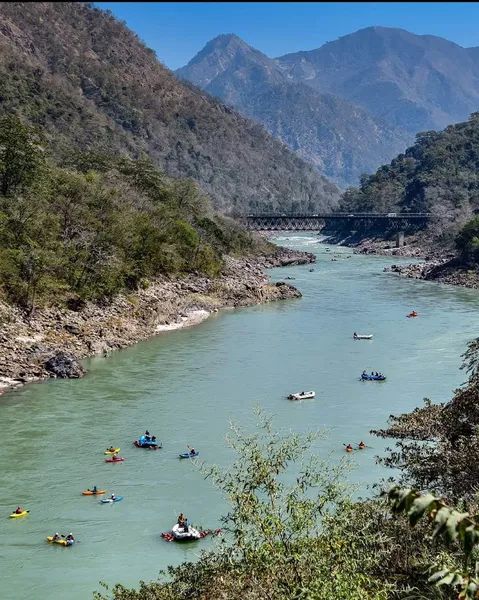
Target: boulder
(64, 366)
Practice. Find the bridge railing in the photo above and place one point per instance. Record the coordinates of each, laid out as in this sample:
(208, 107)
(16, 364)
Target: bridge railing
(340, 215)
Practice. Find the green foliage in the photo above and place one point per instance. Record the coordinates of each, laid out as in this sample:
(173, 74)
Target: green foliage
(454, 526)
(467, 242)
(101, 225)
(21, 156)
(438, 174)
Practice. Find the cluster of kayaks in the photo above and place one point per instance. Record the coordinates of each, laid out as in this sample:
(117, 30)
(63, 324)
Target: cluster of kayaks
(143, 442)
(349, 448)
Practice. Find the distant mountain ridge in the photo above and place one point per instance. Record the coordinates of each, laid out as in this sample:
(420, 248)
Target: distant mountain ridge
(341, 140)
(90, 83)
(415, 82)
(351, 104)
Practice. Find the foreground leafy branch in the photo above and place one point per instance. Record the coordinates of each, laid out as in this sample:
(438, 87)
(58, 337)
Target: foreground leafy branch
(450, 524)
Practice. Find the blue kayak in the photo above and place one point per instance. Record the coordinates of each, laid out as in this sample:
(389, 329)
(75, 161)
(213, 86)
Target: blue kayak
(373, 377)
(108, 500)
(189, 455)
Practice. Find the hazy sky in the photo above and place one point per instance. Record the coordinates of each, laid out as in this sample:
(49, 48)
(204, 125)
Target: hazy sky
(178, 30)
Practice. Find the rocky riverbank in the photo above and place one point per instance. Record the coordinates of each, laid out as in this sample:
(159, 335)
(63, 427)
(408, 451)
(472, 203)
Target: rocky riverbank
(51, 341)
(446, 270)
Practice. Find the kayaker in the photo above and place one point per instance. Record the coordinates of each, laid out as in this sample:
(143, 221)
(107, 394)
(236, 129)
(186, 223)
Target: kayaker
(111, 449)
(112, 497)
(349, 448)
(70, 537)
(114, 457)
(192, 451)
(361, 446)
(94, 490)
(19, 510)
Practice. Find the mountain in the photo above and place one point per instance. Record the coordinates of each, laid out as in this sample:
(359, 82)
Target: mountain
(415, 82)
(340, 139)
(89, 81)
(438, 174)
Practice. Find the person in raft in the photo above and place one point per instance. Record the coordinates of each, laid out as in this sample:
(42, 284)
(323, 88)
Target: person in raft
(182, 519)
(114, 457)
(56, 537)
(19, 510)
(94, 490)
(70, 537)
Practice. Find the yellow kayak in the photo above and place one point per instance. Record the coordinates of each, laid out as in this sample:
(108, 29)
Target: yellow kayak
(62, 542)
(22, 514)
(108, 452)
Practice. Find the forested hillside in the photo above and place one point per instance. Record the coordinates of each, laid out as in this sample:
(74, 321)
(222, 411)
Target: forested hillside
(438, 174)
(103, 225)
(92, 84)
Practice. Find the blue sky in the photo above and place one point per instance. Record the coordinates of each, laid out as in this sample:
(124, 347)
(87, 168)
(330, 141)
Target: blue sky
(178, 30)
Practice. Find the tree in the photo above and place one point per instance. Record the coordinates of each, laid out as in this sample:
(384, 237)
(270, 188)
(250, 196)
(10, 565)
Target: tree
(22, 156)
(467, 242)
(457, 528)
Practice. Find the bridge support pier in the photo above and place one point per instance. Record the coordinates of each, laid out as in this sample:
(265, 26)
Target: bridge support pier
(399, 239)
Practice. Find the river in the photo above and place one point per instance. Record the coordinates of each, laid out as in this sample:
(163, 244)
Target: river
(183, 386)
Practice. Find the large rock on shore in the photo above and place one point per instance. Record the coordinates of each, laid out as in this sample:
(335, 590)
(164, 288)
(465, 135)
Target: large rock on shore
(285, 257)
(64, 366)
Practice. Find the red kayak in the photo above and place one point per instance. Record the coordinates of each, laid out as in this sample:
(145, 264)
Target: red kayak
(114, 459)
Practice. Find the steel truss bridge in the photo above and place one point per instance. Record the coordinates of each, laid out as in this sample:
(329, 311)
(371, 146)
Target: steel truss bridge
(298, 222)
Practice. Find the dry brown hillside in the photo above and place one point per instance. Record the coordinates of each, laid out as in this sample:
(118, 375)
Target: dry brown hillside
(88, 79)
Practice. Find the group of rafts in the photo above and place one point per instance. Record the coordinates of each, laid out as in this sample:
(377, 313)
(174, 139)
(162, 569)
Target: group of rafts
(374, 376)
(181, 531)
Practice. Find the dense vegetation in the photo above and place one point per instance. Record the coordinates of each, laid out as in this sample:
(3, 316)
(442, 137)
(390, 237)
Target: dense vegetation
(438, 174)
(293, 531)
(91, 84)
(100, 224)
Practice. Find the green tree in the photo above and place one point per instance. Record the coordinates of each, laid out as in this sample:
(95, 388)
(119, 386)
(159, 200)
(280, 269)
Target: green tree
(22, 156)
(467, 242)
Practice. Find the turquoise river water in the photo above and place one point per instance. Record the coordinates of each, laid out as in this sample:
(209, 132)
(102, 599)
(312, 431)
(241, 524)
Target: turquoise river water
(183, 386)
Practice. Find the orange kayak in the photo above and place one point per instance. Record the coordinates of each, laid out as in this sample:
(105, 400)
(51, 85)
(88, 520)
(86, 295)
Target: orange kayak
(90, 493)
